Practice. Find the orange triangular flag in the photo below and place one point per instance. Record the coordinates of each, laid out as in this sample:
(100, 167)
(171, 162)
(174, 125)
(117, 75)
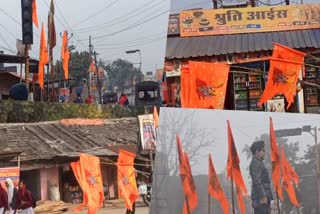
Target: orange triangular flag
(233, 170)
(155, 117)
(188, 185)
(127, 183)
(65, 55)
(43, 58)
(275, 160)
(289, 175)
(34, 13)
(215, 189)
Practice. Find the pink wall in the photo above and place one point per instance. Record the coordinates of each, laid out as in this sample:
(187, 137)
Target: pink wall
(48, 176)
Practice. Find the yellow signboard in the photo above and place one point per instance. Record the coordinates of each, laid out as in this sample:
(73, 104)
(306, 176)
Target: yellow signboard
(249, 20)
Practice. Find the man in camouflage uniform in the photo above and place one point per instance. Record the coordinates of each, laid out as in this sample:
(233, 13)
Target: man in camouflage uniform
(261, 194)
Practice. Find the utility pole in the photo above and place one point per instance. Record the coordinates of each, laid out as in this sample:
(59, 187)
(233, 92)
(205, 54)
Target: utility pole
(90, 51)
(215, 4)
(98, 78)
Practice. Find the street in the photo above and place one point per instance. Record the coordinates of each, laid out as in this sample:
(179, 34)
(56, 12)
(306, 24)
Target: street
(139, 210)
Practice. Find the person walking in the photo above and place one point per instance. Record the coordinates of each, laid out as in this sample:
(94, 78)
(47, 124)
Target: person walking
(12, 196)
(25, 201)
(3, 200)
(261, 193)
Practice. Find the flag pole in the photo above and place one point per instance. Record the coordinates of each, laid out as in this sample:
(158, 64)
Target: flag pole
(208, 203)
(278, 201)
(187, 202)
(232, 194)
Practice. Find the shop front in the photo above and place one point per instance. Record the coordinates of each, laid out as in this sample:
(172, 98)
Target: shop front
(247, 54)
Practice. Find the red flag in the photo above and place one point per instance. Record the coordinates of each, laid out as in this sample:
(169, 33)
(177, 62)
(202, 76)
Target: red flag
(215, 189)
(127, 184)
(233, 170)
(155, 117)
(43, 58)
(275, 160)
(207, 85)
(289, 175)
(65, 55)
(189, 187)
(51, 27)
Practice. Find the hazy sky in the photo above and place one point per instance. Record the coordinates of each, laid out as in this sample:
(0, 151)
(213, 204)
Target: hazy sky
(119, 21)
(178, 5)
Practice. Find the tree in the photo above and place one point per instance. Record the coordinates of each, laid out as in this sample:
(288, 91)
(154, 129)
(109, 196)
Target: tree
(121, 73)
(78, 66)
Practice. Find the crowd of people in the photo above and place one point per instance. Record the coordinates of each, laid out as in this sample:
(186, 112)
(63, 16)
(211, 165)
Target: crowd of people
(13, 199)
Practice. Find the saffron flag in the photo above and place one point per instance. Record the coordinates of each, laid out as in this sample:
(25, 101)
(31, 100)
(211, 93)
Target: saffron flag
(289, 175)
(88, 174)
(34, 13)
(76, 168)
(215, 189)
(65, 55)
(207, 85)
(233, 170)
(43, 58)
(52, 40)
(285, 66)
(92, 67)
(155, 117)
(275, 160)
(286, 53)
(127, 184)
(188, 185)
(185, 86)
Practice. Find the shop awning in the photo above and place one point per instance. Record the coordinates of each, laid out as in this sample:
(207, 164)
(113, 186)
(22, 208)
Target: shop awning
(178, 47)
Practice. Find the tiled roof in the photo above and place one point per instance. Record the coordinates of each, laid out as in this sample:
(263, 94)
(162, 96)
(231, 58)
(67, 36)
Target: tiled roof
(48, 140)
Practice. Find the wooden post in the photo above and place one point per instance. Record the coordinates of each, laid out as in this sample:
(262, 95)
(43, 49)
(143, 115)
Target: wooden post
(208, 203)
(278, 202)
(26, 54)
(232, 195)
(20, 72)
(187, 203)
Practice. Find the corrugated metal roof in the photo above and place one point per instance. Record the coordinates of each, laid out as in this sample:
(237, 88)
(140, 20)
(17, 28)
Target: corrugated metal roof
(178, 47)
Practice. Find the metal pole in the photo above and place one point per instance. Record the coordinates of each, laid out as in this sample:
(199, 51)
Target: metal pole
(26, 53)
(317, 165)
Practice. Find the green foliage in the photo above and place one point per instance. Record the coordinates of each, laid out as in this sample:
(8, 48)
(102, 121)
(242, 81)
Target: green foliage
(79, 65)
(121, 73)
(18, 112)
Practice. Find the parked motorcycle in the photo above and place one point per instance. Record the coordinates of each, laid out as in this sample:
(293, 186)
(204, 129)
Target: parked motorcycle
(145, 192)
